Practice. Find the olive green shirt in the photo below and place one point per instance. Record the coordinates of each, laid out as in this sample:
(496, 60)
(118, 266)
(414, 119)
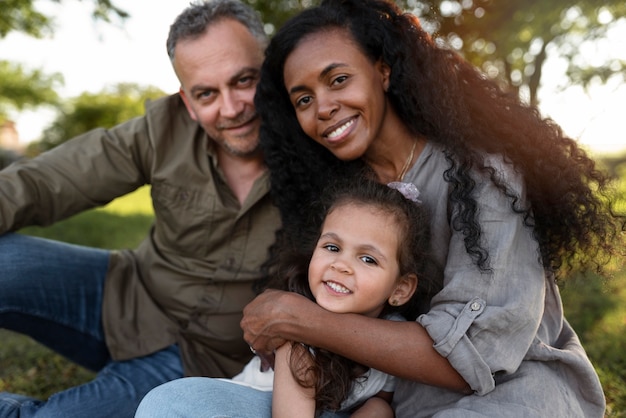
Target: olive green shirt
(189, 280)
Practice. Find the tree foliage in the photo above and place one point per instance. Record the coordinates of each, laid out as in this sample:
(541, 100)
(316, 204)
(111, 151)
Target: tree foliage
(509, 40)
(23, 16)
(21, 88)
(105, 109)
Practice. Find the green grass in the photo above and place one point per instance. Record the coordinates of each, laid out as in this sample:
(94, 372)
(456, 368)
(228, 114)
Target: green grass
(595, 307)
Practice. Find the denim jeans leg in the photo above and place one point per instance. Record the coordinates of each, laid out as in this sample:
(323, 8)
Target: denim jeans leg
(115, 392)
(203, 397)
(52, 291)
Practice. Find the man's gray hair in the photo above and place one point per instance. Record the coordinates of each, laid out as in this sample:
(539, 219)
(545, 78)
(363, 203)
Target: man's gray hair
(196, 18)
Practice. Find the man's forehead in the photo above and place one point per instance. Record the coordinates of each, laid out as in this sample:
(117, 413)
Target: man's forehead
(223, 53)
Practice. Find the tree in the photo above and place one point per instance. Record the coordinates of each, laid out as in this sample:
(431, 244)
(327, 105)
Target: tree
(509, 40)
(109, 107)
(21, 88)
(22, 16)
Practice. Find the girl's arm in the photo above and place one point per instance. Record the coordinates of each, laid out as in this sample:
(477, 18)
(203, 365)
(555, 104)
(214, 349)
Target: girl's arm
(378, 406)
(276, 316)
(289, 398)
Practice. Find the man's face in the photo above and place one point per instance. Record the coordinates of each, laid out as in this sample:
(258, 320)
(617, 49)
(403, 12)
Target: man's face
(218, 72)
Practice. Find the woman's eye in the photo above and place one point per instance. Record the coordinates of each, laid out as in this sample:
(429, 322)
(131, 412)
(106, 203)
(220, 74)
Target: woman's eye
(340, 79)
(303, 101)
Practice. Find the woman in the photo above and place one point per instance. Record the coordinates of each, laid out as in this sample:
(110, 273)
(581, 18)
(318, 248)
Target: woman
(514, 203)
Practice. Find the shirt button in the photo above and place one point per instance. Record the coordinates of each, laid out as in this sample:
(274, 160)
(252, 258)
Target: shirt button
(475, 306)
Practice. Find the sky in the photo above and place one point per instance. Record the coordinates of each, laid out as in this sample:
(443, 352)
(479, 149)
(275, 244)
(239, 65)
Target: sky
(91, 55)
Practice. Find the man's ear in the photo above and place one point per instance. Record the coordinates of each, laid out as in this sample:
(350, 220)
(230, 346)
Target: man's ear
(406, 287)
(183, 96)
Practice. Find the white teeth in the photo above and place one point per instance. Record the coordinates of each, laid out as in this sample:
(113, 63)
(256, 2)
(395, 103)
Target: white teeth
(340, 130)
(337, 287)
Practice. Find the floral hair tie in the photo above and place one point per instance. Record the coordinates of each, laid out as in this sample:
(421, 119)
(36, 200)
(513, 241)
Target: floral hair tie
(408, 190)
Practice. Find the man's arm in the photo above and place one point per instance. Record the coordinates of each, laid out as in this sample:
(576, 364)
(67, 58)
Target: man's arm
(275, 317)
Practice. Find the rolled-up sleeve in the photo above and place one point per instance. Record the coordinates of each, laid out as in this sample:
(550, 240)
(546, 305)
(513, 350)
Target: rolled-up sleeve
(484, 322)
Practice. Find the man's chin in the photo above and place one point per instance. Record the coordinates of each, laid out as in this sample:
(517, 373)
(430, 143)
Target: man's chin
(241, 148)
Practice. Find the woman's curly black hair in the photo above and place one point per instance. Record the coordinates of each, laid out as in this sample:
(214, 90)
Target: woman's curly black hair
(442, 97)
(331, 375)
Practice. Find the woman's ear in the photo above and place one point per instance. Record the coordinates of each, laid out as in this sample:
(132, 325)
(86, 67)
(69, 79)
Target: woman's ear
(406, 287)
(385, 71)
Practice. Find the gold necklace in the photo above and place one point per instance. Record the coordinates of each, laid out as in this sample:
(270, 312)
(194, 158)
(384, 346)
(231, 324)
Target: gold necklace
(407, 163)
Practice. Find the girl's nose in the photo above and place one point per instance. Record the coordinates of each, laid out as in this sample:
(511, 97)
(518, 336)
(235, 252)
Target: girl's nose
(341, 267)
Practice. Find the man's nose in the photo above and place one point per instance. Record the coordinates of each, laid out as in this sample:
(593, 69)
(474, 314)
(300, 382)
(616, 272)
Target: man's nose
(232, 104)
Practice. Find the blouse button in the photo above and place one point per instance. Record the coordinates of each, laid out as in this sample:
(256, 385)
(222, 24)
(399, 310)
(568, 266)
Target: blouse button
(475, 306)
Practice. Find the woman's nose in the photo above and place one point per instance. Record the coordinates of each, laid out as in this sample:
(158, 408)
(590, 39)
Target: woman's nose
(327, 107)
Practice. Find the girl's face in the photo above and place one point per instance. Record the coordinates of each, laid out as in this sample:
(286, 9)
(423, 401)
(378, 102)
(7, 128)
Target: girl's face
(337, 92)
(354, 267)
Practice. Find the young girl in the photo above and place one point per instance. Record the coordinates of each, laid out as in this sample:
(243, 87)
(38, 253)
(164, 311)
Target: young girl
(365, 259)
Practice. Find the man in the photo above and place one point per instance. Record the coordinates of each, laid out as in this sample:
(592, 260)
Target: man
(172, 306)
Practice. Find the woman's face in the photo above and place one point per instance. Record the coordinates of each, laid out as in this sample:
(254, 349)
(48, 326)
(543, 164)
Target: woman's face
(337, 92)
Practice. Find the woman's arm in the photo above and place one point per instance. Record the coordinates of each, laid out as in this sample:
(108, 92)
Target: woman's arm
(275, 317)
(289, 398)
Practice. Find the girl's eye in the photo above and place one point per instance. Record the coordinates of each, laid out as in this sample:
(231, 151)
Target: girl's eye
(331, 247)
(368, 260)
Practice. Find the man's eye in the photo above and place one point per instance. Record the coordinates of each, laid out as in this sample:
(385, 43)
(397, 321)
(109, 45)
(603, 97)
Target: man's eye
(204, 95)
(247, 80)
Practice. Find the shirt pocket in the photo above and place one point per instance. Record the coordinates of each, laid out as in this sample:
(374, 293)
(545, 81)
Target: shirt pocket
(185, 218)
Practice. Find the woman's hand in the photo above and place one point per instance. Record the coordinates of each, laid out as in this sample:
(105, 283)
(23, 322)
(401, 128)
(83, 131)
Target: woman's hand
(267, 319)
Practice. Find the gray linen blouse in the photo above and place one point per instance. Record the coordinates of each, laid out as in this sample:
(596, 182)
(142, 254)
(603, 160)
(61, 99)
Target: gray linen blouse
(502, 330)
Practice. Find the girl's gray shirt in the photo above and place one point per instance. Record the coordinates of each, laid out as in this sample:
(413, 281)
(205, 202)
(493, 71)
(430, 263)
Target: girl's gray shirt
(502, 330)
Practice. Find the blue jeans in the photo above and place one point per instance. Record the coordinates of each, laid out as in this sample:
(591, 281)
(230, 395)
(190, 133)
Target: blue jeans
(52, 292)
(203, 397)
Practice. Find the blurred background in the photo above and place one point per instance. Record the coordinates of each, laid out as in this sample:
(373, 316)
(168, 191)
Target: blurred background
(67, 66)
